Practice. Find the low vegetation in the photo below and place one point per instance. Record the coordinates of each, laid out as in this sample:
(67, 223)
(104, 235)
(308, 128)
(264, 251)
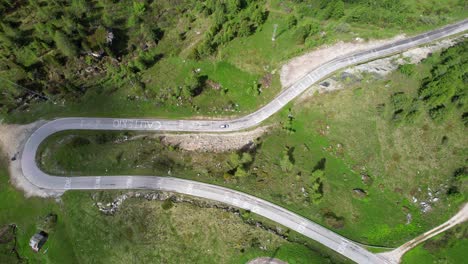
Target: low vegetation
(167, 59)
(440, 93)
(347, 160)
(449, 247)
(141, 231)
(345, 165)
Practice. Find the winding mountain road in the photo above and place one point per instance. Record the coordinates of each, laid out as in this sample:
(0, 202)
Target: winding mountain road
(280, 215)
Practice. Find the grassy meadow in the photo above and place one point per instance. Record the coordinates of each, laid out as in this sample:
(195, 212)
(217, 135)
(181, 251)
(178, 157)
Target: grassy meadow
(341, 159)
(449, 247)
(244, 70)
(141, 231)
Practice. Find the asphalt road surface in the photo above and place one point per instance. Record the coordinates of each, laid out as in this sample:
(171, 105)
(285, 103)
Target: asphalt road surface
(280, 215)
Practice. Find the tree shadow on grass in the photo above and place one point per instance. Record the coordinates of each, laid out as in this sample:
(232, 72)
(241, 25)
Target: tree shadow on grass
(320, 164)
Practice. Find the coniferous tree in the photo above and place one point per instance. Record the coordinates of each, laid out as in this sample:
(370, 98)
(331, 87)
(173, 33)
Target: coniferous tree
(64, 44)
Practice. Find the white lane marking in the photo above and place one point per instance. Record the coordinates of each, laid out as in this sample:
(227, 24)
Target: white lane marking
(158, 185)
(97, 182)
(320, 73)
(302, 85)
(246, 206)
(129, 123)
(257, 119)
(235, 202)
(129, 182)
(67, 183)
(226, 197)
(155, 125)
(255, 209)
(189, 189)
(197, 124)
(342, 247)
(301, 227)
(279, 102)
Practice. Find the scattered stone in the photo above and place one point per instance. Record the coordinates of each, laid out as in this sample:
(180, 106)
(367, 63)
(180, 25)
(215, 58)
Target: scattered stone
(206, 142)
(213, 85)
(409, 218)
(348, 76)
(425, 207)
(366, 179)
(265, 82)
(300, 66)
(358, 39)
(109, 37)
(359, 192)
(266, 260)
(325, 84)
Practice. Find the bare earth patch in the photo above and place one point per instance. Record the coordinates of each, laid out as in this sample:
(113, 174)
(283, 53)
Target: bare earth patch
(266, 260)
(207, 142)
(380, 67)
(299, 66)
(12, 139)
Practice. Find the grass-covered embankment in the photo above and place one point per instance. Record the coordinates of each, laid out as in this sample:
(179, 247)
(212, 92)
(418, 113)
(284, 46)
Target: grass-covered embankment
(142, 231)
(347, 160)
(211, 58)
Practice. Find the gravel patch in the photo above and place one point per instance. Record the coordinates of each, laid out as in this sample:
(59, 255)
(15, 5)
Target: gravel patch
(266, 260)
(207, 142)
(379, 68)
(12, 140)
(299, 66)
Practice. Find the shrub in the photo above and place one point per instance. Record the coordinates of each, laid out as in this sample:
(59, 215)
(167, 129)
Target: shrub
(286, 163)
(333, 220)
(240, 172)
(64, 44)
(337, 9)
(167, 204)
(292, 21)
(79, 142)
(246, 158)
(407, 69)
(315, 187)
(301, 34)
(343, 28)
(438, 113)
